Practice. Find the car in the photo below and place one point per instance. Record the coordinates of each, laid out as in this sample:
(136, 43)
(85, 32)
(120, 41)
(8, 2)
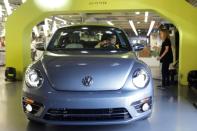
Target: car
(88, 75)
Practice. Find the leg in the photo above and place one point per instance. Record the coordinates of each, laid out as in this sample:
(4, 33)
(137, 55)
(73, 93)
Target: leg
(165, 74)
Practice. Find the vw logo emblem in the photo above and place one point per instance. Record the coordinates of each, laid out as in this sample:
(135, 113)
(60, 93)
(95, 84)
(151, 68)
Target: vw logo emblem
(87, 81)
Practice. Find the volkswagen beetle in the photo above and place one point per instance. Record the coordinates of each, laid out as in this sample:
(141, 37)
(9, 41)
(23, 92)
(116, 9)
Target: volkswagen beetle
(88, 75)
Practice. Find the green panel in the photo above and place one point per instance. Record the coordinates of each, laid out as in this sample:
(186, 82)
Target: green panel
(21, 22)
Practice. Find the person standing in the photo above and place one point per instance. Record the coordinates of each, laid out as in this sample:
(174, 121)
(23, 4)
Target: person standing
(165, 57)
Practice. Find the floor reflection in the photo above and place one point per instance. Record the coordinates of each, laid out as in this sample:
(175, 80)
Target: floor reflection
(143, 125)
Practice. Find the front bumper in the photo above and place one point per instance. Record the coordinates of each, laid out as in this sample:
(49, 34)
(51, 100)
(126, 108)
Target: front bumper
(89, 105)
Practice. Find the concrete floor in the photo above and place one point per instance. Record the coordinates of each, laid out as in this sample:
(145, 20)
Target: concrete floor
(173, 111)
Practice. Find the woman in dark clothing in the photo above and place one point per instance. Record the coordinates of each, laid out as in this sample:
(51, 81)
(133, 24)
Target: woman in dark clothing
(165, 57)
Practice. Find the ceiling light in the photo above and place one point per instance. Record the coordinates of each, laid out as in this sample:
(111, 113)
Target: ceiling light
(46, 23)
(138, 22)
(137, 13)
(52, 4)
(146, 17)
(151, 27)
(84, 28)
(110, 23)
(23, 1)
(45, 29)
(54, 28)
(62, 20)
(133, 27)
(1, 11)
(5, 18)
(49, 19)
(35, 30)
(8, 7)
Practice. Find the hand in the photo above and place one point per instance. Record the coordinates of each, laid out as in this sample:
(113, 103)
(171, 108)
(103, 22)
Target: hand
(103, 43)
(158, 58)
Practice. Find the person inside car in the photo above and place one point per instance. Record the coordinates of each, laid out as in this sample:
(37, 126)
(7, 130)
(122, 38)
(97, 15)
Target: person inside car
(108, 41)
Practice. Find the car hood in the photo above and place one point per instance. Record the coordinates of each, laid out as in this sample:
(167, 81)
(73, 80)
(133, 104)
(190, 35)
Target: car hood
(87, 72)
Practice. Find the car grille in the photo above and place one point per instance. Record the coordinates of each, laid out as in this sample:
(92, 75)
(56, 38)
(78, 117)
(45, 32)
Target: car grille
(87, 114)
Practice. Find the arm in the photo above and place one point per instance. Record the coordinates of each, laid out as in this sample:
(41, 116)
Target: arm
(164, 53)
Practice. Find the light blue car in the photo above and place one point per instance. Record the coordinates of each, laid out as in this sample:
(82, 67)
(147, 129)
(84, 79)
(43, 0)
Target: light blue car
(88, 75)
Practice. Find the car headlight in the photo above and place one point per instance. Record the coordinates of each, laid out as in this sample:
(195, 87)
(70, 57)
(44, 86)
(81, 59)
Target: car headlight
(140, 78)
(33, 78)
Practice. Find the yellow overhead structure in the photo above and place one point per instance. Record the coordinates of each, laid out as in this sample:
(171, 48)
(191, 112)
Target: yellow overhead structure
(20, 23)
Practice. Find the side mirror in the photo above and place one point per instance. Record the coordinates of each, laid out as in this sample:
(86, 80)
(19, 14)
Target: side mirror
(138, 47)
(40, 46)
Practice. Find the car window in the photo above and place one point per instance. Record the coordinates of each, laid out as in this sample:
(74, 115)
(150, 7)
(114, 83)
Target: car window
(89, 38)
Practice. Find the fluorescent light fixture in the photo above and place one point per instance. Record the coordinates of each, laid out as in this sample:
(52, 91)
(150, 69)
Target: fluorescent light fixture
(110, 23)
(8, 7)
(54, 28)
(52, 4)
(146, 17)
(3, 32)
(125, 56)
(147, 40)
(133, 27)
(45, 30)
(23, 1)
(137, 13)
(46, 27)
(84, 28)
(62, 20)
(134, 41)
(35, 30)
(49, 19)
(46, 23)
(1, 11)
(84, 52)
(151, 27)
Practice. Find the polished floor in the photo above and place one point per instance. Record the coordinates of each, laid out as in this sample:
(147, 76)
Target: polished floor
(173, 111)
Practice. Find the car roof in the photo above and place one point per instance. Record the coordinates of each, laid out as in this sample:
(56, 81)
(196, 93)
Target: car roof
(89, 25)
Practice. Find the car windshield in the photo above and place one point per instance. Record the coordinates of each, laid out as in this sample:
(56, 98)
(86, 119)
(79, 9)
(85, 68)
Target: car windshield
(89, 38)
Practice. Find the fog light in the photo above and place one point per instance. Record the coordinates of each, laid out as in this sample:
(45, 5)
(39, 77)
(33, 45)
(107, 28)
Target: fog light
(29, 108)
(145, 107)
